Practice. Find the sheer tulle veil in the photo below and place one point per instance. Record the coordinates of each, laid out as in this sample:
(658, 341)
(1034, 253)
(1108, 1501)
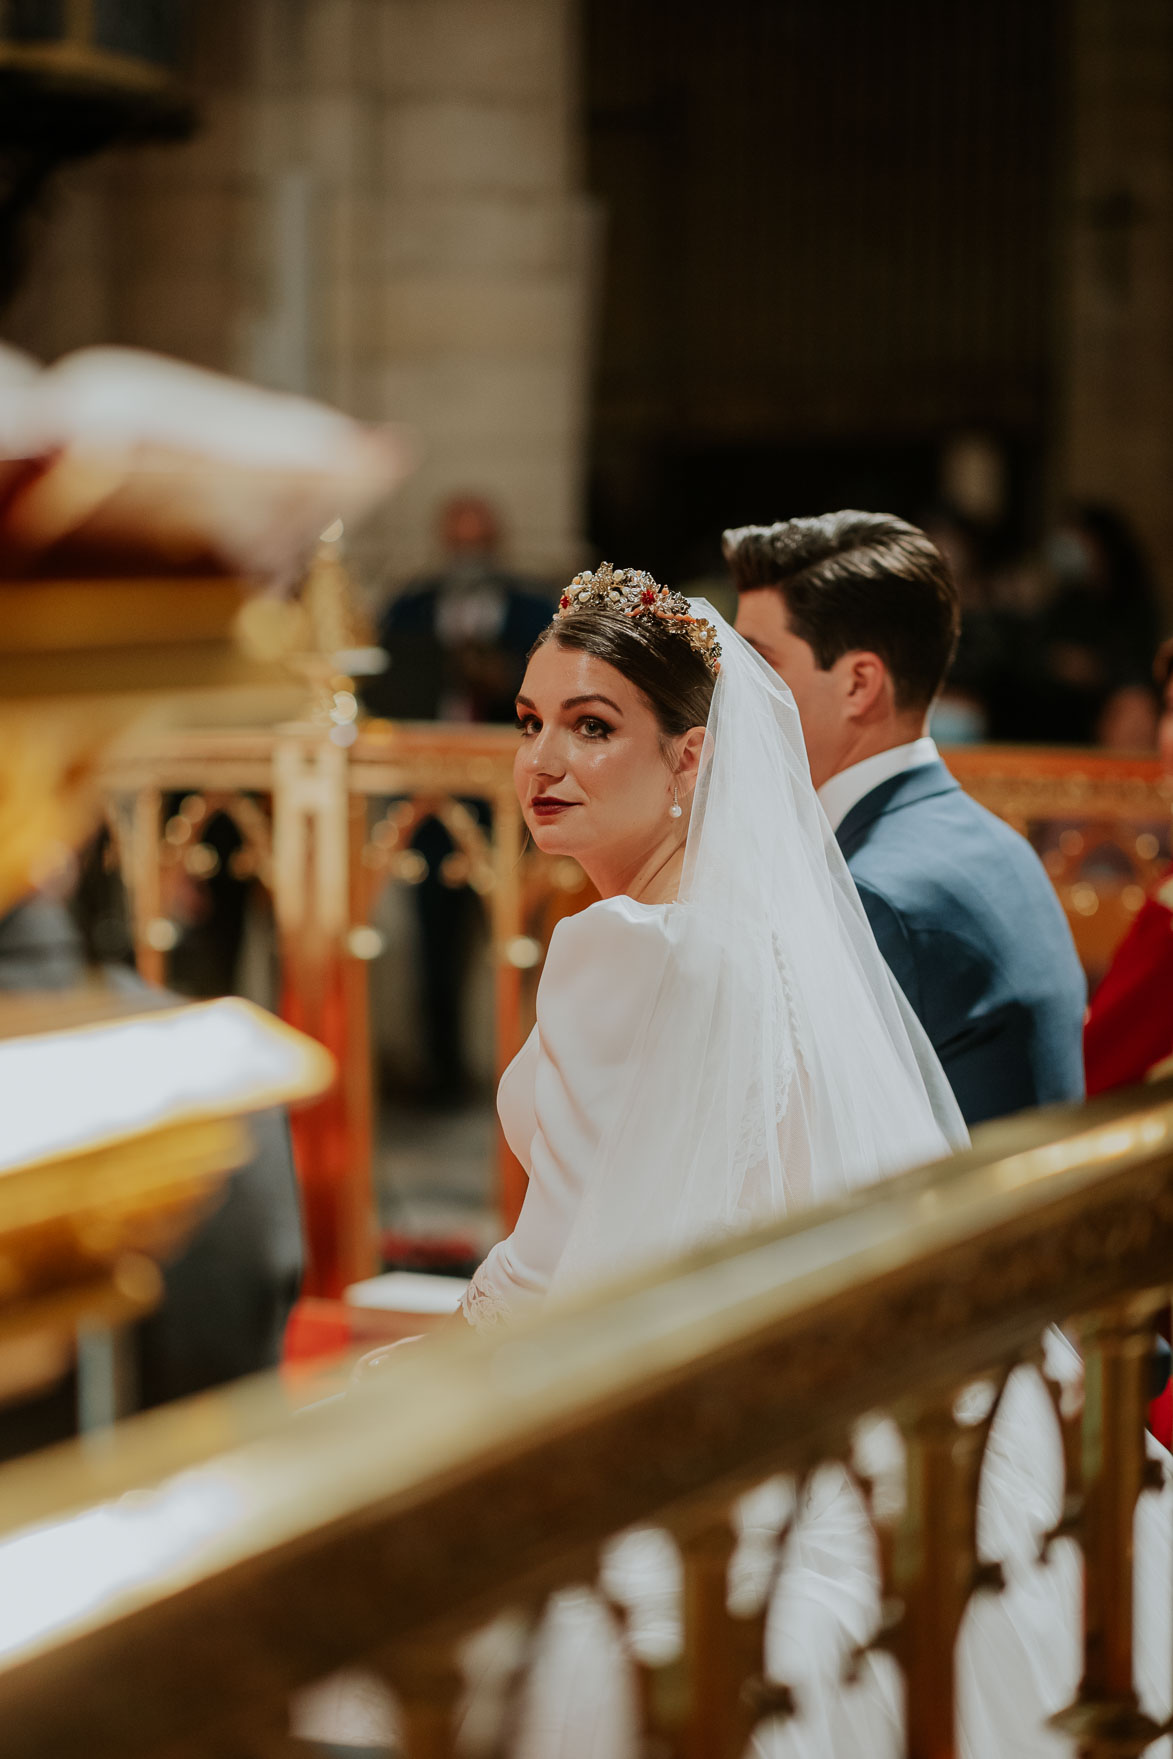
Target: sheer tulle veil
(776, 1065)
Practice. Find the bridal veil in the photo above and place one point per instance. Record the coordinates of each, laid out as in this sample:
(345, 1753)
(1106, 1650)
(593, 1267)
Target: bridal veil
(776, 1065)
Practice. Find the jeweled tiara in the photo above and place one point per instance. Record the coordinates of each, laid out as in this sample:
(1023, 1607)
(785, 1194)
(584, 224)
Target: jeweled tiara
(635, 594)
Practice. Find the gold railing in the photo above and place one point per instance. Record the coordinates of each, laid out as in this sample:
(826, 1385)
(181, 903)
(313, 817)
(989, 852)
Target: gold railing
(477, 1476)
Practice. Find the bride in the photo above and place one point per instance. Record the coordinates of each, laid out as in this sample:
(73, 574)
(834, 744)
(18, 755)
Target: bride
(718, 1042)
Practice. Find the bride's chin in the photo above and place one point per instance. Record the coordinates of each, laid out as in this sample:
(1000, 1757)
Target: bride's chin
(552, 839)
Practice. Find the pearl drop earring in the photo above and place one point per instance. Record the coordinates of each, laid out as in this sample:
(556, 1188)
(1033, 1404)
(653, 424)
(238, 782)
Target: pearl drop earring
(675, 810)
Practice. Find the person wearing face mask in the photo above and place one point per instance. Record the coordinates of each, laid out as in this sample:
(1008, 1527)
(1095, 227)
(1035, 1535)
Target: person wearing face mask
(1096, 636)
(457, 638)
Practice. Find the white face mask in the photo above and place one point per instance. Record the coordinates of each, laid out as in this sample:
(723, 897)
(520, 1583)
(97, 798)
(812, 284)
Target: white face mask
(1067, 557)
(955, 721)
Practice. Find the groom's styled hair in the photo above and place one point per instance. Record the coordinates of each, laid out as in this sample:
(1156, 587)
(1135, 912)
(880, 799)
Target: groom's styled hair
(858, 581)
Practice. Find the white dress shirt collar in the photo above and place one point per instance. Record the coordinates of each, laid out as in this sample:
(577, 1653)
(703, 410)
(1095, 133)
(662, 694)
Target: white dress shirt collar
(845, 790)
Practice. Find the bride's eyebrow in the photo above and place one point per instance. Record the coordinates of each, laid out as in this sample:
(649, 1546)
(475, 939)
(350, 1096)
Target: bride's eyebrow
(571, 702)
(594, 696)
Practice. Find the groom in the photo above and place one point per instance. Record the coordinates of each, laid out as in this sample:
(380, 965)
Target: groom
(857, 612)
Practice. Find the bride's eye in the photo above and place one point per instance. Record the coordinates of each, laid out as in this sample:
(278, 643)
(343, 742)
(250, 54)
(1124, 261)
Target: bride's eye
(593, 728)
(527, 725)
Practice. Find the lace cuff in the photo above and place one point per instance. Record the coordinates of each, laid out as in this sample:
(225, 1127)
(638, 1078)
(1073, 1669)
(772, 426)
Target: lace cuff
(483, 1307)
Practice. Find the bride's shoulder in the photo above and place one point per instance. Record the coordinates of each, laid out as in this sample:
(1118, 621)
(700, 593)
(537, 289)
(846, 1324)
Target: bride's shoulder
(609, 964)
(607, 929)
(602, 965)
(621, 916)
(621, 933)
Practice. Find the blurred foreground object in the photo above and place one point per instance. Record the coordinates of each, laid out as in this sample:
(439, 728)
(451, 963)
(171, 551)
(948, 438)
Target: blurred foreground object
(118, 1132)
(142, 504)
(118, 462)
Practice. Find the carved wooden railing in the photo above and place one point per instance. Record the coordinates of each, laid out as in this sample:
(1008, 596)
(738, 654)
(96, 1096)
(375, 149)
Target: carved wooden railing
(326, 814)
(472, 1477)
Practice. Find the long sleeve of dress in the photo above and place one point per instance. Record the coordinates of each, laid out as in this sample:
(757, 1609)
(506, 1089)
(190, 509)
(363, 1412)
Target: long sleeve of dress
(560, 1094)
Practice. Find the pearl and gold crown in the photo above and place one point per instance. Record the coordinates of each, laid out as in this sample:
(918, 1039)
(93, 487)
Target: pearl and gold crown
(633, 593)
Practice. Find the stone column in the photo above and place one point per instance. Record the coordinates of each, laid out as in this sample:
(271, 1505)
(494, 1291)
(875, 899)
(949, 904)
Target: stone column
(1116, 376)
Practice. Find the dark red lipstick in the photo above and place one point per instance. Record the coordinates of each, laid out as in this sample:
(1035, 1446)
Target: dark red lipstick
(547, 806)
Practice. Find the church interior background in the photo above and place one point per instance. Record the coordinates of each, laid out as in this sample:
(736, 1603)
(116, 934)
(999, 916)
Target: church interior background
(620, 274)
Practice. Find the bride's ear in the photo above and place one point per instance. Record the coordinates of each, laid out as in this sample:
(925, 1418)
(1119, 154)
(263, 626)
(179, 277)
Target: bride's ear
(688, 755)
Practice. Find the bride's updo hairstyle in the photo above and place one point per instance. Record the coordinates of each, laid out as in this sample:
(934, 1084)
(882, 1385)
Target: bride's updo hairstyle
(623, 617)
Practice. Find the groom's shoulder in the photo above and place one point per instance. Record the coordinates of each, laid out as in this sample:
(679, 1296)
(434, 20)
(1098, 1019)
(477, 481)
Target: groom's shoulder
(944, 860)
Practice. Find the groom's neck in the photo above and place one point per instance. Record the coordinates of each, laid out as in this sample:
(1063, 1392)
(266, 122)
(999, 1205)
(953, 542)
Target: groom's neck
(862, 740)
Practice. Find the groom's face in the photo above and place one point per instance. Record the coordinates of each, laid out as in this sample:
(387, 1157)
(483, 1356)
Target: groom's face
(819, 695)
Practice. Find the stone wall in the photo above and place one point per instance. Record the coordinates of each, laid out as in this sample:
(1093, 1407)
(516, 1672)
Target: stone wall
(382, 208)
(1115, 371)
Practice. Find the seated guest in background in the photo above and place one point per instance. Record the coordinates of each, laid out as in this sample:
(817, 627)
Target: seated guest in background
(457, 642)
(1096, 634)
(457, 638)
(1129, 1028)
(857, 612)
(229, 1293)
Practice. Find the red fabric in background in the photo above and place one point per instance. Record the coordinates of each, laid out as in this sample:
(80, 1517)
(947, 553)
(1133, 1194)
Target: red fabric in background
(1129, 1024)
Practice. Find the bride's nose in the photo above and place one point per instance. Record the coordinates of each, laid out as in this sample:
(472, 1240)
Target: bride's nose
(540, 755)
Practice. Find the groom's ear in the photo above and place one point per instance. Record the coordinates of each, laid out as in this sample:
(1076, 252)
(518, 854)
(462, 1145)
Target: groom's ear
(865, 685)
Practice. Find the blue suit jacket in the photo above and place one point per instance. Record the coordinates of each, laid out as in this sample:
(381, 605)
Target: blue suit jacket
(975, 936)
